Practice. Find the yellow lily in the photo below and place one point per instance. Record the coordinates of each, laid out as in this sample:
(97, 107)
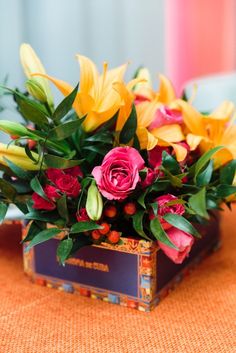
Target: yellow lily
(17, 156)
(97, 99)
(207, 132)
(31, 63)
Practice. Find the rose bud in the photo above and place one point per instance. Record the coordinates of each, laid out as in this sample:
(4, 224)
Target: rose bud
(82, 215)
(130, 208)
(113, 237)
(105, 228)
(94, 203)
(96, 235)
(110, 211)
(183, 241)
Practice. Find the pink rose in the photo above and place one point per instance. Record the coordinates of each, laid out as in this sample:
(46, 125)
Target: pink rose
(118, 175)
(74, 171)
(183, 241)
(41, 204)
(68, 185)
(164, 208)
(166, 116)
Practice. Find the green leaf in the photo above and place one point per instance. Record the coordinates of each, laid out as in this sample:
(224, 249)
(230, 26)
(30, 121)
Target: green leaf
(43, 236)
(63, 131)
(62, 208)
(19, 172)
(42, 216)
(36, 187)
(170, 163)
(198, 203)
(160, 234)
(174, 180)
(141, 199)
(7, 190)
(137, 219)
(99, 148)
(103, 137)
(203, 160)
(87, 226)
(129, 129)
(30, 110)
(3, 211)
(34, 229)
(29, 153)
(225, 190)
(181, 223)
(65, 106)
(59, 162)
(204, 177)
(154, 207)
(228, 172)
(64, 249)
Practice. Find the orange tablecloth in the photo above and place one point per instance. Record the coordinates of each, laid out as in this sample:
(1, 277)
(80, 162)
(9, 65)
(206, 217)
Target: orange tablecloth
(199, 316)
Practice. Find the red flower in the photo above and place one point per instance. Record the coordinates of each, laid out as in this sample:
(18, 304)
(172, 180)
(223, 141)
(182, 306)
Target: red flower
(155, 156)
(74, 171)
(51, 192)
(149, 179)
(82, 215)
(53, 174)
(164, 208)
(68, 184)
(41, 204)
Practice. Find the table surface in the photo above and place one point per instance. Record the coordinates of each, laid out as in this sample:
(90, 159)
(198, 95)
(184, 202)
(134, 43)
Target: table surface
(199, 316)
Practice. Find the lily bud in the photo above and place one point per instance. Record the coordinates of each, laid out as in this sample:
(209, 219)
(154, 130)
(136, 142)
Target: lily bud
(36, 90)
(94, 203)
(15, 129)
(31, 64)
(17, 155)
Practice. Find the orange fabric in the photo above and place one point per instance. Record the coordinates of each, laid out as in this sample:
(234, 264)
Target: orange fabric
(199, 316)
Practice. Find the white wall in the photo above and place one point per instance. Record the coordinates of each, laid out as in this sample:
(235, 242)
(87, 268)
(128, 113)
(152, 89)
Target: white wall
(112, 30)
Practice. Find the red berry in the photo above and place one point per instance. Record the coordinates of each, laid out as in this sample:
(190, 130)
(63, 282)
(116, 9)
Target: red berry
(130, 208)
(105, 228)
(114, 237)
(110, 211)
(31, 144)
(96, 235)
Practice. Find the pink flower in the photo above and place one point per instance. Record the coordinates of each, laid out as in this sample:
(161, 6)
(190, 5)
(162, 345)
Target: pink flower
(183, 241)
(68, 185)
(149, 179)
(155, 156)
(53, 174)
(82, 215)
(166, 116)
(118, 175)
(41, 204)
(164, 208)
(74, 171)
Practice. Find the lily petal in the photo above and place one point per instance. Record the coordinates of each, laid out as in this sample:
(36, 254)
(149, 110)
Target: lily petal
(193, 141)
(166, 90)
(169, 133)
(146, 139)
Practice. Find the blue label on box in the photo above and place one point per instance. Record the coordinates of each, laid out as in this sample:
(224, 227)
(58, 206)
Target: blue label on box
(103, 268)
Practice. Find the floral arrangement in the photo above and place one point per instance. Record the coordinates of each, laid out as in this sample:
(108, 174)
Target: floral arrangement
(114, 159)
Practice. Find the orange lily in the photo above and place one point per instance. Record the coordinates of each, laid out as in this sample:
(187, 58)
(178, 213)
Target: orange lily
(97, 99)
(209, 131)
